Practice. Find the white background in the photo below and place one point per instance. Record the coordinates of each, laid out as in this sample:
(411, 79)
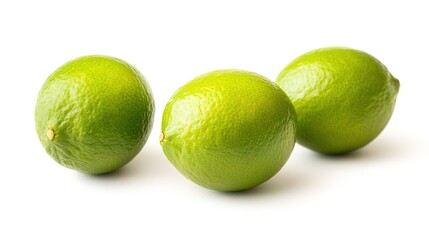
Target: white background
(378, 192)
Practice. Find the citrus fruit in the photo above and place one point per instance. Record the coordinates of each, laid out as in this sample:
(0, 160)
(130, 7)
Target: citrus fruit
(228, 130)
(94, 114)
(343, 98)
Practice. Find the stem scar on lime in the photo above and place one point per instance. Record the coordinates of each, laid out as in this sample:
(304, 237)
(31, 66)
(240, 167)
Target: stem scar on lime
(50, 134)
(161, 137)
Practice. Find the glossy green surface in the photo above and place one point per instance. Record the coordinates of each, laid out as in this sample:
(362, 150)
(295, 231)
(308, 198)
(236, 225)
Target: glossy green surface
(228, 130)
(343, 97)
(94, 114)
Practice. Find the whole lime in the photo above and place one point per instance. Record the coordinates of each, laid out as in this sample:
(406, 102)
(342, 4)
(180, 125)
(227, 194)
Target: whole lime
(343, 98)
(94, 114)
(228, 130)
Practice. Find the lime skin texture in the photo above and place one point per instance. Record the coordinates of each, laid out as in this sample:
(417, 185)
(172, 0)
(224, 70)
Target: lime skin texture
(94, 114)
(228, 130)
(343, 97)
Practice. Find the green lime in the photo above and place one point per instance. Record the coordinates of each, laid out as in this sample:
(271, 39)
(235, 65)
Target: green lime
(228, 130)
(94, 114)
(343, 98)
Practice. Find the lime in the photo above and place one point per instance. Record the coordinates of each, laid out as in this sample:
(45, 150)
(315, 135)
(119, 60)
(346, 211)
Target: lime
(94, 114)
(228, 130)
(343, 97)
